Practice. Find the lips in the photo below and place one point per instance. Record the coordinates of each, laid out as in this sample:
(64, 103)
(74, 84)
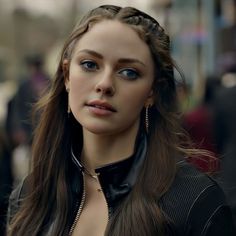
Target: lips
(101, 105)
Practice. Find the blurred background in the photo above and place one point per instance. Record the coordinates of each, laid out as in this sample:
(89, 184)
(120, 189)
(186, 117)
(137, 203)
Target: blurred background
(203, 34)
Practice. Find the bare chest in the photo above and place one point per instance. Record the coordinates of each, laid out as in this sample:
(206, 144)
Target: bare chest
(93, 216)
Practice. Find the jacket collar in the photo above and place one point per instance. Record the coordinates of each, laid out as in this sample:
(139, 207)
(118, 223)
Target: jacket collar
(117, 179)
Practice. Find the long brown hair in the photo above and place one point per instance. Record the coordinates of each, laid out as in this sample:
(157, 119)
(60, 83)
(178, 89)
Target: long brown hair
(48, 192)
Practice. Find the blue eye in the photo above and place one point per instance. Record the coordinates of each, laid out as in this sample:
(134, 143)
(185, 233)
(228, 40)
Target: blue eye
(89, 65)
(129, 74)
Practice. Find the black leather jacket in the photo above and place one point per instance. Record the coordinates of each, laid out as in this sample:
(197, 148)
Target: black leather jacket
(194, 203)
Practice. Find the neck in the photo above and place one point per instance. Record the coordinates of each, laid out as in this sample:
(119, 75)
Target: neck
(99, 150)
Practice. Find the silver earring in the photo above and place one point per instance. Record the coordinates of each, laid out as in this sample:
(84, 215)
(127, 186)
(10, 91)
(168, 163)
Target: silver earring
(68, 106)
(147, 118)
(68, 109)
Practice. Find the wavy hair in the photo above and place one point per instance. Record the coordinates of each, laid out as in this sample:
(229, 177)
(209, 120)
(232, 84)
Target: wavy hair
(48, 191)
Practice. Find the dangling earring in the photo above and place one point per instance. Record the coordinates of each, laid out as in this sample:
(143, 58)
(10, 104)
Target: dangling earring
(68, 109)
(147, 118)
(68, 106)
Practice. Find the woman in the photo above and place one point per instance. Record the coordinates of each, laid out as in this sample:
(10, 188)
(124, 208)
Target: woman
(107, 153)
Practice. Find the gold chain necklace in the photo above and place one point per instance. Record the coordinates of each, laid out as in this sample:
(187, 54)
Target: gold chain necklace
(95, 176)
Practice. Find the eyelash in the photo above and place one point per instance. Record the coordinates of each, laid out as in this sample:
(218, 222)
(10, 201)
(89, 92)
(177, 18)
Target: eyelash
(85, 66)
(135, 75)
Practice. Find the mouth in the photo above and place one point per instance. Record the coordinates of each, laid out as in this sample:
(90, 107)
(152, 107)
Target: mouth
(101, 105)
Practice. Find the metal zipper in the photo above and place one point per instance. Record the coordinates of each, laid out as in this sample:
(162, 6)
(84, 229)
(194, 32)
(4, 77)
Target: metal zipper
(108, 209)
(79, 210)
(82, 205)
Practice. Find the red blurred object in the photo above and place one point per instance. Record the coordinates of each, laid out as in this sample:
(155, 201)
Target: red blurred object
(199, 125)
(205, 164)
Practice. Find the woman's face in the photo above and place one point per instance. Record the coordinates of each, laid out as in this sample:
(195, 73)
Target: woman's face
(110, 78)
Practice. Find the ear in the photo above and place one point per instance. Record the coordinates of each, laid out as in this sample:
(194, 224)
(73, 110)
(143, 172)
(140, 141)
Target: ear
(149, 101)
(65, 68)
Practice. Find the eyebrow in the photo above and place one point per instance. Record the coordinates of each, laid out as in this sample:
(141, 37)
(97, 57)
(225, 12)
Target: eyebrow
(93, 53)
(121, 60)
(130, 60)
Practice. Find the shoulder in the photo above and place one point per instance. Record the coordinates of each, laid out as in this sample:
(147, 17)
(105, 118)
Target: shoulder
(195, 202)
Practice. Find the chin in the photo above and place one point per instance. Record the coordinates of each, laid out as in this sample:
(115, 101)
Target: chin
(99, 130)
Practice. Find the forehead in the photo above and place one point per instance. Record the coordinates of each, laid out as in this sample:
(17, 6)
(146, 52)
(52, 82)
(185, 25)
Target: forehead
(116, 37)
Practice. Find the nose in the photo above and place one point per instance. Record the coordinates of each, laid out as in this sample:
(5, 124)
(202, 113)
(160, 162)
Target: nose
(105, 85)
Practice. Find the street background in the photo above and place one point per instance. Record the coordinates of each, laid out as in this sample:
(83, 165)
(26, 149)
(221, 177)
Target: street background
(203, 45)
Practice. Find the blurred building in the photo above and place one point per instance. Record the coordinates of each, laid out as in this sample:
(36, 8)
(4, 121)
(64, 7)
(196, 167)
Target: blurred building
(202, 32)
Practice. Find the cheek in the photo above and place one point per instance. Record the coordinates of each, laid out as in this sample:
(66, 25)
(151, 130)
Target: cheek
(135, 99)
(78, 85)
(77, 91)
